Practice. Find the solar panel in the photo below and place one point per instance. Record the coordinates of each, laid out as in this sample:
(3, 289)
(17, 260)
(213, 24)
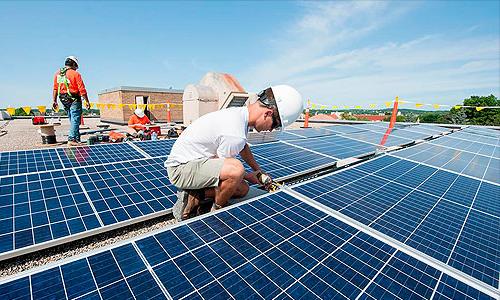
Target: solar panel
(376, 138)
(20, 162)
(475, 137)
(464, 162)
(336, 146)
(465, 145)
(156, 148)
(274, 247)
(39, 208)
(127, 190)
(282, 160)
(344, 129)
(431, 210)
(311, 132)
(97, 155)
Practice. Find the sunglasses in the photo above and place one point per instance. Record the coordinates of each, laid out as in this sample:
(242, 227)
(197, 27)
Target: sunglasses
(266, 97)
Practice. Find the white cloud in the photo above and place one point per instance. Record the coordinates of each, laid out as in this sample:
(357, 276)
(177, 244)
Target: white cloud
(320, 63)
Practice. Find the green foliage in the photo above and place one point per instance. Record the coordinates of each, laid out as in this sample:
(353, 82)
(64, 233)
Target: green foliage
(20, 112)
(347, 116)
(488, 116)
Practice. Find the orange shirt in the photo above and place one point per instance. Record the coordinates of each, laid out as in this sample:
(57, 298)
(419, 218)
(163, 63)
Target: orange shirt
(134, 119)
(76, 86)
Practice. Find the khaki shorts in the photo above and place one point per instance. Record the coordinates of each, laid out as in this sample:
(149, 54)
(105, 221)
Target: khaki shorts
(196, 174)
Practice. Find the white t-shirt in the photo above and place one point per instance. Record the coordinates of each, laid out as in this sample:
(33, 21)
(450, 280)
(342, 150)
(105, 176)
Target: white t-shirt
(222, 133)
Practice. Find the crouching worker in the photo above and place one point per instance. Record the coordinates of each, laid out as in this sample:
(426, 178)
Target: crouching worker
(202, 163)
(137, 122)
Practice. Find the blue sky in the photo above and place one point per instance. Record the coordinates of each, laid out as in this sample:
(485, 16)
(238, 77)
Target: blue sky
(343, 53)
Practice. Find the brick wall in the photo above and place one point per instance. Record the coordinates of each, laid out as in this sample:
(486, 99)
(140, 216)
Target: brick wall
(121, 115)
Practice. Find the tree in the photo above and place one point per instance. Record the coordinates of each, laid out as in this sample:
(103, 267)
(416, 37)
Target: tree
(488, 116)
(455, 116)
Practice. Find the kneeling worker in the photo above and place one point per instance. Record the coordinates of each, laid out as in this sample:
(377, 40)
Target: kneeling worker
(202, 162)
(136, 123)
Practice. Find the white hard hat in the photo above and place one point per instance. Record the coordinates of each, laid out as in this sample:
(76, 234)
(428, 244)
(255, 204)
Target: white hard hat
(289, 102)
(139, 112)
(73, 58)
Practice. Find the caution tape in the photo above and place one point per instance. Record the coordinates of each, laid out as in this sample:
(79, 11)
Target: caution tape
(388, 104)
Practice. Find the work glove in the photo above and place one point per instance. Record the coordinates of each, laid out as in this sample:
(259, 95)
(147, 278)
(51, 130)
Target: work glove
(264, 179)
(55, 106)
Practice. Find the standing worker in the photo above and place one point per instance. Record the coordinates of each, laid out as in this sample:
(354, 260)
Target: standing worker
(202, 162)
(68, 85)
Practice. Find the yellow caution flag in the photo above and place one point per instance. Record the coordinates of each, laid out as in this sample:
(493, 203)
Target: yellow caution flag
(334, 107)
(131, 106)
(313, 106)
(121, 105)
(436, 106)
(388, 104)
(42, 109)
(357, 107)
(346, 106)
(27, 109)
(457, 106)
(479, 108)
(373, 105)
(419, 105)
(11, 111)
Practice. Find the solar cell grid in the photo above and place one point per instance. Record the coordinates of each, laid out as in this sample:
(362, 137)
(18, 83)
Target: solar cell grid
(336, 146)
(428, 215)
(38, 208)
(156, 148)
(282, 160)
(467, 163)
(98, 154)
(20, 162)
(127, 190)
(374, 137)
(288, 249)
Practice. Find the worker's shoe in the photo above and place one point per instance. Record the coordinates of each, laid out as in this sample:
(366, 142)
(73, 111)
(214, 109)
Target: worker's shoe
(187, 204)
(205, 206)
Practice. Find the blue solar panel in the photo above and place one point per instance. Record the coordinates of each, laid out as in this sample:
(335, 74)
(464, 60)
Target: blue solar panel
(468, 163)
(156, 148)
(336, 146)
(463, 135)
(478, 248)
(345, 129)
(281, 160)
(98, 154)
(471, 146)
(376, 138)
(127, 190)
(427, 212)
(20, 162)
(311, 132)
(276, 246)
(38, 208)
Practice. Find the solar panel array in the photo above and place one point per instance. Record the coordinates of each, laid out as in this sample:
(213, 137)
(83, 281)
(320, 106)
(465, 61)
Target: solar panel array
(418, 223)
(44, 209)
(450, 217)
(274, 247)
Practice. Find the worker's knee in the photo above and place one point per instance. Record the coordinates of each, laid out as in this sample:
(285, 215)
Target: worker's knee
(233, 169)
(242, 190)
